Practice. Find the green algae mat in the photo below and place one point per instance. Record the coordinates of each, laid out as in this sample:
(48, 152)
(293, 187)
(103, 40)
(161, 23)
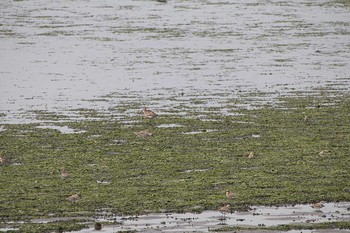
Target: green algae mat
(294, 151)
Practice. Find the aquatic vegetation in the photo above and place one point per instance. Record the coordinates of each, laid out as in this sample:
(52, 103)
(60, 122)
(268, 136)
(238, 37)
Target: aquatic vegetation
(297, 161)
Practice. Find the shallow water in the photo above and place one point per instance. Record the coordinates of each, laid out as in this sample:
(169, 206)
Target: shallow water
(61, 129)
(210, 220)
(202, 222)
(63, 55)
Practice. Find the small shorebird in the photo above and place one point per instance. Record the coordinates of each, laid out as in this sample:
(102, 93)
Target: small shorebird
(318, 205)
(73, 198)
(230, 194)
(3, 160)
(64, 173)
(143, 133)
(149, 114)
(324, 153)
(251, 155)
(225, 209)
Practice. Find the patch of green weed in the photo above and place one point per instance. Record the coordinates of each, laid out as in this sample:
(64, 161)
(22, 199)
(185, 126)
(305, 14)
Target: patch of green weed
(301, 155)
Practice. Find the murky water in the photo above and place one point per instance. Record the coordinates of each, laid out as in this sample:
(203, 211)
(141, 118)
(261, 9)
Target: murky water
(203, 222)
(211, 220)
(63, 55)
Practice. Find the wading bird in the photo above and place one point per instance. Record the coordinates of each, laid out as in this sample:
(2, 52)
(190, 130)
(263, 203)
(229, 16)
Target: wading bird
(230, 194)
(3, 160)
(73, 198)
(64, 173)
(318, 205)
(251, 155)
(149, 114)
(225, 209)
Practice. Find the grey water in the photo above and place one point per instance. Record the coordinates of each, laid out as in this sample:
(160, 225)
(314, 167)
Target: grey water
(211, 220)
(58, 56)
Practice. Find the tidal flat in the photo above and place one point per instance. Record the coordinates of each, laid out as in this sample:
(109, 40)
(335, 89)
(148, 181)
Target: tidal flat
(252, 97)
(300, 147)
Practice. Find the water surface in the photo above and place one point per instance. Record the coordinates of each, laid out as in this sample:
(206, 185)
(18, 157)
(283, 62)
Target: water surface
(62, 55)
